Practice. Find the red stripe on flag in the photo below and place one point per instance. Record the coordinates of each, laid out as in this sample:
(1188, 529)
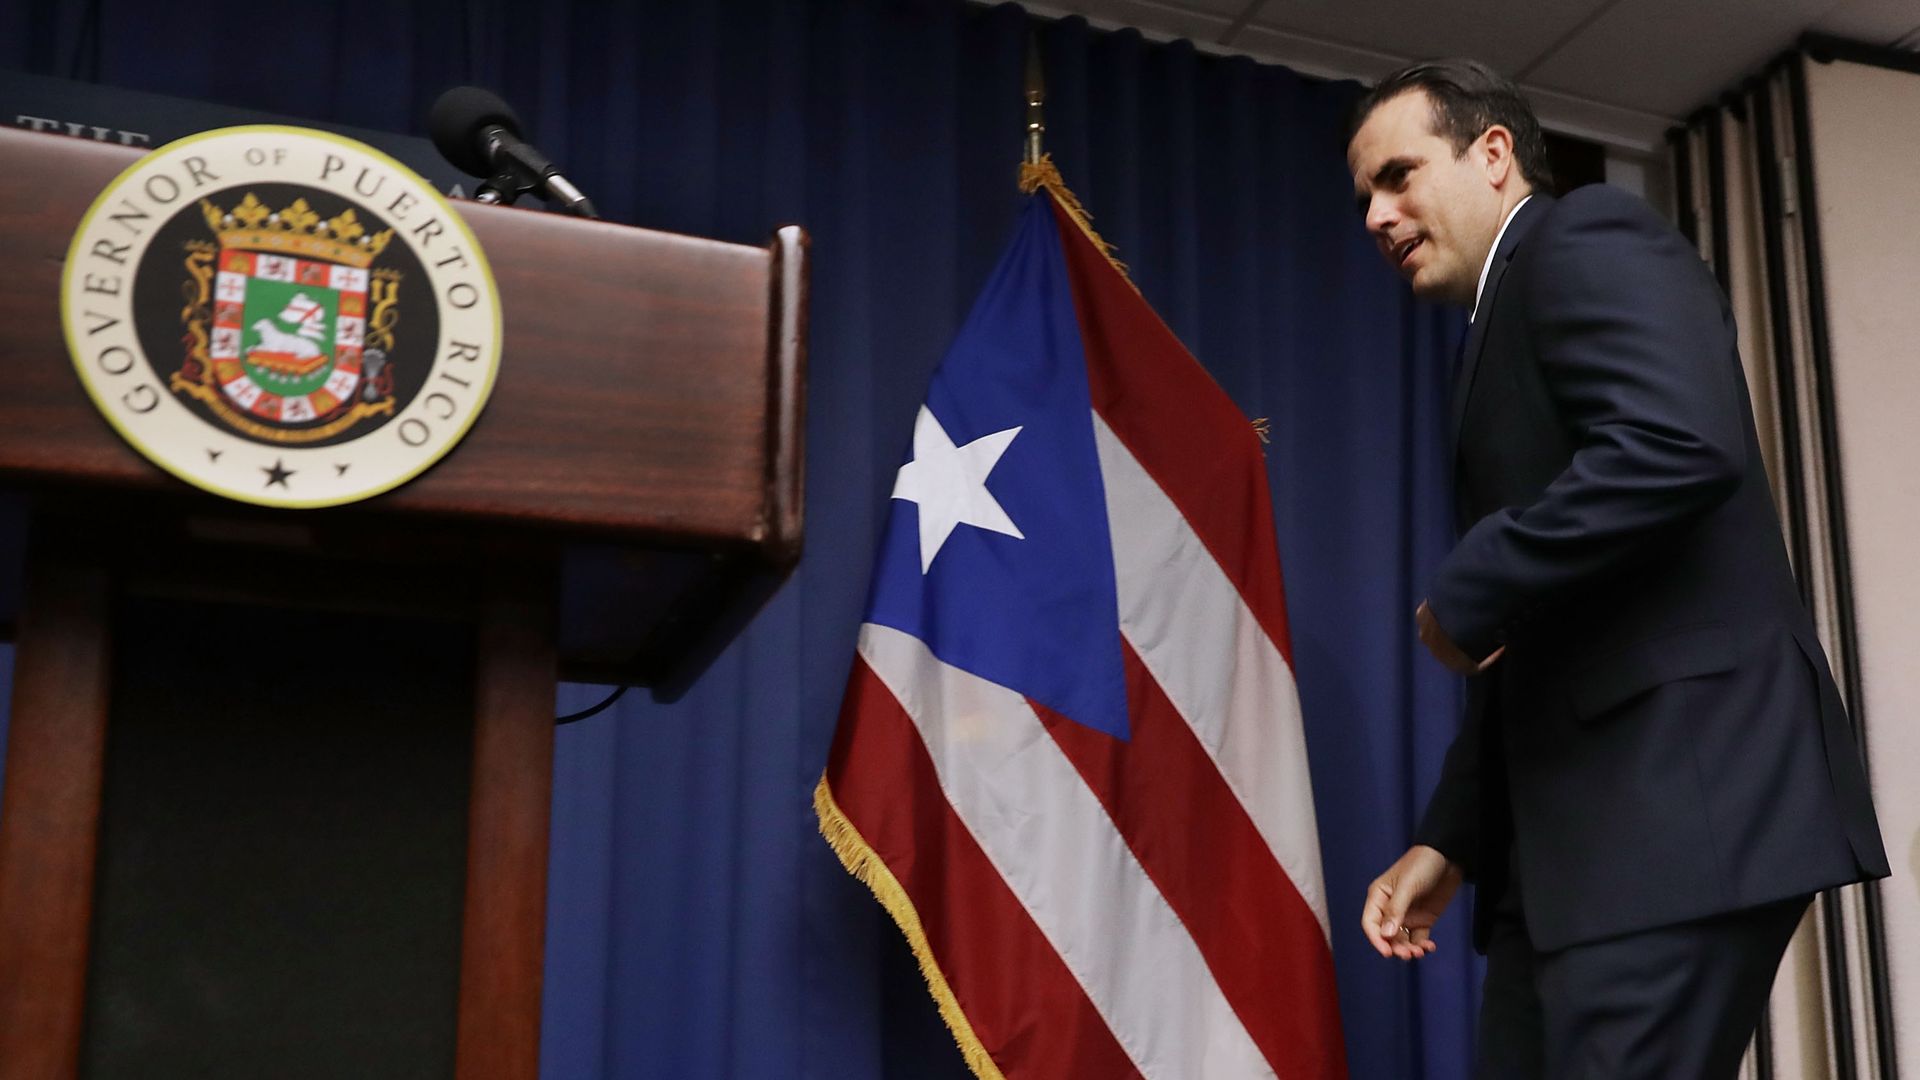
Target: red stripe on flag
(1025, 1006)
(1179, 424)
(1195, 840)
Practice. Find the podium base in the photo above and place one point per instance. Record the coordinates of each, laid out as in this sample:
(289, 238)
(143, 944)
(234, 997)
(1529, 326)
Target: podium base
(255, 827)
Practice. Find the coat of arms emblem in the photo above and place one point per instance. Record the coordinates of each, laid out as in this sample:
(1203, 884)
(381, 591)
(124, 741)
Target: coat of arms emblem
(290, 325)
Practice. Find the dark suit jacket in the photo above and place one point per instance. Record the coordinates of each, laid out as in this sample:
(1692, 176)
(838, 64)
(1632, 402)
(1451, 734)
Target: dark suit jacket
(1663, 739)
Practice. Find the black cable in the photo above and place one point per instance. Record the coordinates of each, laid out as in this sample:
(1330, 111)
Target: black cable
(596, 710)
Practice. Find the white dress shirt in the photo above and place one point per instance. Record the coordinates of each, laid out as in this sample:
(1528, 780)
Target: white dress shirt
(1488, 265)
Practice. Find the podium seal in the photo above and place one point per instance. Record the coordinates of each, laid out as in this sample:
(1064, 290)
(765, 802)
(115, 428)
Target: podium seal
(281, 316)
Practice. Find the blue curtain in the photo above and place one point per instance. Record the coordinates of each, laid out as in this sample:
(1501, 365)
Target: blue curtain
(698, 925)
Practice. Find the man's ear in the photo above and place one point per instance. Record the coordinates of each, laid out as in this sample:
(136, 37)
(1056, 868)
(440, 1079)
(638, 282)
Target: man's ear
(1497, 151)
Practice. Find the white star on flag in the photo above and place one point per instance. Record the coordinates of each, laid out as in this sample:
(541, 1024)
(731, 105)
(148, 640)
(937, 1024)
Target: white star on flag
(949, 484)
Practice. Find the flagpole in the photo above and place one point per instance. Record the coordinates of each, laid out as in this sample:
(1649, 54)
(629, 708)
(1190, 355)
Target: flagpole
(1036, 100)
(1036, 166)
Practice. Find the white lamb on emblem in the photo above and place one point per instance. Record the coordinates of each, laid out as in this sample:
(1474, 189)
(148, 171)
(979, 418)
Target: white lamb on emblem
(275, 340)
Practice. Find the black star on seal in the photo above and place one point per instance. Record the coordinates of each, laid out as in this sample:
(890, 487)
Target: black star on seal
(213, 456)
(278, 474)
(342, 469)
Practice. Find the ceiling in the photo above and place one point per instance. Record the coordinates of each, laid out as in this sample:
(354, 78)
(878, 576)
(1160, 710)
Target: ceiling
(1618, 71)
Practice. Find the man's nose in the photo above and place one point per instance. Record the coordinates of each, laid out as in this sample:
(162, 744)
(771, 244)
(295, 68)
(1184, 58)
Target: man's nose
(1382, 216)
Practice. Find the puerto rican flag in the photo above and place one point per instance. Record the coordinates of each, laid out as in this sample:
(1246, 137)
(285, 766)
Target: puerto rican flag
(1070, 761)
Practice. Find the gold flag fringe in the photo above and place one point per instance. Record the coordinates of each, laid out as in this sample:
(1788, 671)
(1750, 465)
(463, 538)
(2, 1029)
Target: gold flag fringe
(1035, 175)
(865, 864)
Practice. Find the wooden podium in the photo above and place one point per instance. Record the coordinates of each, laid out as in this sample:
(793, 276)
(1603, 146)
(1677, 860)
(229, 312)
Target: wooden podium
(277, 783)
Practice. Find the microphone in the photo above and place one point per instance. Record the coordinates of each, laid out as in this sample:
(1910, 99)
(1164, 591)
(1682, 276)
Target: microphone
(479, 134)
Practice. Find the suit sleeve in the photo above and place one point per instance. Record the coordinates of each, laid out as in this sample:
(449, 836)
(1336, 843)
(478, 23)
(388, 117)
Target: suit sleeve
(1451, 823)
(1633, 344)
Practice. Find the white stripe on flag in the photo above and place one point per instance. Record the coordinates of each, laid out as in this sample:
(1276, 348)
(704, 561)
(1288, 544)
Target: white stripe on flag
(1197, 637)
(1056, 848)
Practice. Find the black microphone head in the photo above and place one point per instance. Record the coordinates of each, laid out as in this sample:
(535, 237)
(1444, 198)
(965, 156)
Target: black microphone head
(457, 119)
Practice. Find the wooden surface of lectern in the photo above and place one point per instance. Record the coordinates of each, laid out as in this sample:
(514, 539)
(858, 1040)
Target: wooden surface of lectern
(277, 782)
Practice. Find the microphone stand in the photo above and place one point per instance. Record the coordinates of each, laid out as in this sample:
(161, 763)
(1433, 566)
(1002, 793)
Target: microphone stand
(503, 188)
(524, 171)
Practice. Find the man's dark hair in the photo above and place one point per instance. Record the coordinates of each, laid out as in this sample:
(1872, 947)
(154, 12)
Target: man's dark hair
(1468, 97)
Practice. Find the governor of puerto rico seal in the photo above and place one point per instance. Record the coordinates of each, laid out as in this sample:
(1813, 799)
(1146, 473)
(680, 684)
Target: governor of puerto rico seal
(281, 316)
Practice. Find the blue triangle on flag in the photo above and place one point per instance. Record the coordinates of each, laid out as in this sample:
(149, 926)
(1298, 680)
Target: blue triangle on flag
(1033, 608)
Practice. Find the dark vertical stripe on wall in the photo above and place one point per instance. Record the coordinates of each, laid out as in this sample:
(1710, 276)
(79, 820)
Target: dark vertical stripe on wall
(1847, 627)
(1832, 913)
(1682, 147)
(1786, 389)
(1823, 385)
(1717, 196)
(1714, 120)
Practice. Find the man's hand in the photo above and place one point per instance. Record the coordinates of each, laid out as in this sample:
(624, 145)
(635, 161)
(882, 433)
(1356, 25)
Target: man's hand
(1404, 903)
(1443, 648)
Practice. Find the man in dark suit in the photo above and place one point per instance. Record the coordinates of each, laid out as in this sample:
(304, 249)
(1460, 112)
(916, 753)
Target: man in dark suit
(1655, 772)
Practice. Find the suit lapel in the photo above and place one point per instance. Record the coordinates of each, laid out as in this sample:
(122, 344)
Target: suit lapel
(1517, 229)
